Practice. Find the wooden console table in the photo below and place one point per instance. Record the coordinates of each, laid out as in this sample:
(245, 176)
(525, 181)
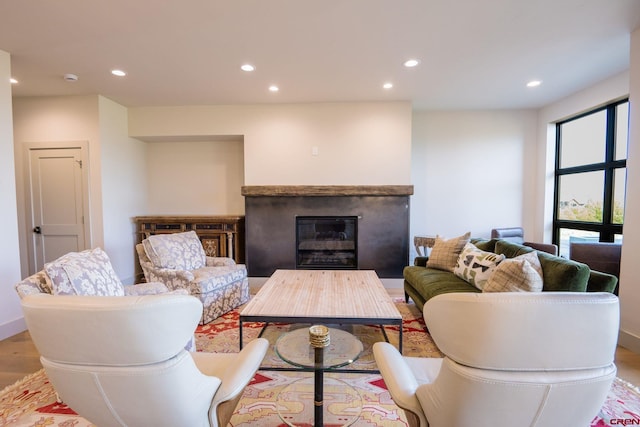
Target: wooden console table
(220, 235)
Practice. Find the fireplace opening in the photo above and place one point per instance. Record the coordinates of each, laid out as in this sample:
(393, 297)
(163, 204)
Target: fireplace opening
(328, 242)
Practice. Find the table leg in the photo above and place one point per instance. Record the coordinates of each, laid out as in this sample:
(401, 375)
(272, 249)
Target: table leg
(318, 389)
(240, 334)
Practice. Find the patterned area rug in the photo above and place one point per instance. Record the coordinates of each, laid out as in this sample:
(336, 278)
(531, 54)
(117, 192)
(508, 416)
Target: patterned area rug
(32, 401)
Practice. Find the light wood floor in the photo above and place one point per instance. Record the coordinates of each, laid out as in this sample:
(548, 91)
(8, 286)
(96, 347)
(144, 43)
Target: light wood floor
(19, 357)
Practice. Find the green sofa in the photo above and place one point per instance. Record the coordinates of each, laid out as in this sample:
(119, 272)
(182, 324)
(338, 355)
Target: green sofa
(559, 274)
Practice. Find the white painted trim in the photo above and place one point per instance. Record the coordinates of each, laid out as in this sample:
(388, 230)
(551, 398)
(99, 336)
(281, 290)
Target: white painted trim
(629, 341)
(12, 328)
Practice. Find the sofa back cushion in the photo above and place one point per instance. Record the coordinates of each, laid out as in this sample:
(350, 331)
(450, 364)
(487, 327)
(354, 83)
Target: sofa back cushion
(559, 274)
(86, 273)
(178, 251)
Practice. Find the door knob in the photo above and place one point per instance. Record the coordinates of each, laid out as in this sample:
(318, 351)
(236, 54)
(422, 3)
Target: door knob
(37, 230)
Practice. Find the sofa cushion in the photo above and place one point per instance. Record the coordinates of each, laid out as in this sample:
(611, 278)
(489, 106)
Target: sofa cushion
(84, 273)
(520, 274)
(444, 254)
(475, 266)
(510, 249)
(178, 251)
(429, 282)
(484, 244)
(559, 274)
(562, 274)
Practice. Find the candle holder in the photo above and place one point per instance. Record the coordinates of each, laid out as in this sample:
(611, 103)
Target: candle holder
(319, 336)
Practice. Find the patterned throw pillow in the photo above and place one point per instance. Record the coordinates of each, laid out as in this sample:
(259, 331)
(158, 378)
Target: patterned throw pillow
(476, 266)
(84, 273)
(445, 253)
(520, 274)
(179, 251)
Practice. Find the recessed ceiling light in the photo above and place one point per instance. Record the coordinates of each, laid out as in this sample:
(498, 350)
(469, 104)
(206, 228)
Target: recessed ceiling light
(13, 81)
(534, 83)
(274, 88)
(118, 73)
(387, 85)
(247, 67)
(411, 63)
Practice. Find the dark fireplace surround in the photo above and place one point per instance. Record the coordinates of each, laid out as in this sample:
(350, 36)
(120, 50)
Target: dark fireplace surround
(381, 215)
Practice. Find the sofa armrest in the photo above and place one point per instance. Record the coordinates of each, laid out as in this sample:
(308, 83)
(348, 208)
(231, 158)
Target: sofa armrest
(171, 278)
(37, 283)
(421, 261)
(601, 282)
(219, 261)
(149, 288)
(549, 248)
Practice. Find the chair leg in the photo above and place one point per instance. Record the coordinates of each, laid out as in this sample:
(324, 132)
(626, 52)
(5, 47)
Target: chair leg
(406, 297)
(412, 419)
(225, 410)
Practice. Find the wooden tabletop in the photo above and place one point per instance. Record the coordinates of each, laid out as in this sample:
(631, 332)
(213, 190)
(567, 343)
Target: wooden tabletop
(323, 293)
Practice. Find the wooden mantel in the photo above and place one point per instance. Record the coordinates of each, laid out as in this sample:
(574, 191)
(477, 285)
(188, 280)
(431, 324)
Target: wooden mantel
(326, 190)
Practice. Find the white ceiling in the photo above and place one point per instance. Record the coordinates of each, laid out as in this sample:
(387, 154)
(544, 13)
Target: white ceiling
(475, 54)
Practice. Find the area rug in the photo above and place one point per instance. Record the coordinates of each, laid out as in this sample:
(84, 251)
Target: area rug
(32, 401)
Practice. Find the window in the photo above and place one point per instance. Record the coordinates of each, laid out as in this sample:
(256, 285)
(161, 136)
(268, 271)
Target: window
(590, 176)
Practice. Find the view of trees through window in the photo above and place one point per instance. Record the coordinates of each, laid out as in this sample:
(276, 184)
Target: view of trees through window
(590, 177)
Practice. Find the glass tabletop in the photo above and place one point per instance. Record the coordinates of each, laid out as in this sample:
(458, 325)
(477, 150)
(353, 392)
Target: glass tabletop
(294, 348)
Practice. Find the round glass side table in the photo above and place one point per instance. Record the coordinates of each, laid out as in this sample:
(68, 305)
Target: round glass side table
(334, 401)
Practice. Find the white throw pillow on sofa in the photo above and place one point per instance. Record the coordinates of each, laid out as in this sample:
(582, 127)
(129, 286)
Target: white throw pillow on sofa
(520, 274)
(476, 266)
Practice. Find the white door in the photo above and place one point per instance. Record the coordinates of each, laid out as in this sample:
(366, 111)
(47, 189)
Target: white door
(57, 194)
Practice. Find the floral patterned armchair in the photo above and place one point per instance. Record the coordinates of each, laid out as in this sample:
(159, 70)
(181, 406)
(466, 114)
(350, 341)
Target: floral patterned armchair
(179, 261)
(83, 273)
(88, 273)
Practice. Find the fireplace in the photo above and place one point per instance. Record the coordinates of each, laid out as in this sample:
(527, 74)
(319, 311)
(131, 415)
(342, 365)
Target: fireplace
(328, 242)
(375, 219)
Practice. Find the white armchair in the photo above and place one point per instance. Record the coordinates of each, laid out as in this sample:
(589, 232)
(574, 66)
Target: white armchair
(179, 261)
(512, 359)
(120, 361)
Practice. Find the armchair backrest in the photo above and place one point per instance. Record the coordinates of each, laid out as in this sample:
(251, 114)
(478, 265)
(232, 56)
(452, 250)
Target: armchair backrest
(510, 234)
(88, 272)
(121, 360)
(179, 251)
(521, 358)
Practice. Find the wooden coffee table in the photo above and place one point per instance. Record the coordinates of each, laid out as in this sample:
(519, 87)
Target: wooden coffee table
(324, 297)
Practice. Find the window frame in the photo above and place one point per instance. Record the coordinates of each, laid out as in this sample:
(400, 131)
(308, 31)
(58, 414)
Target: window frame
(607, 229)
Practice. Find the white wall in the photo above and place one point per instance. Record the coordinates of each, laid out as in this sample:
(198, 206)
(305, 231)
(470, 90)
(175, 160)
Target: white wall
(629, 289)
(195, 177)
(357, 143)
(124, 183)
(471, 171)
(11, 321)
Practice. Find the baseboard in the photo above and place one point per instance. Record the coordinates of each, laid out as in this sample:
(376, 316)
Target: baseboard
(629, 341)
(393, 283)
(12, 328)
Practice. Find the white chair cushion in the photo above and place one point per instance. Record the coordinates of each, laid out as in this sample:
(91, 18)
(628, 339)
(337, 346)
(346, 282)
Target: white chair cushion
(178, 251)
(84, 273)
